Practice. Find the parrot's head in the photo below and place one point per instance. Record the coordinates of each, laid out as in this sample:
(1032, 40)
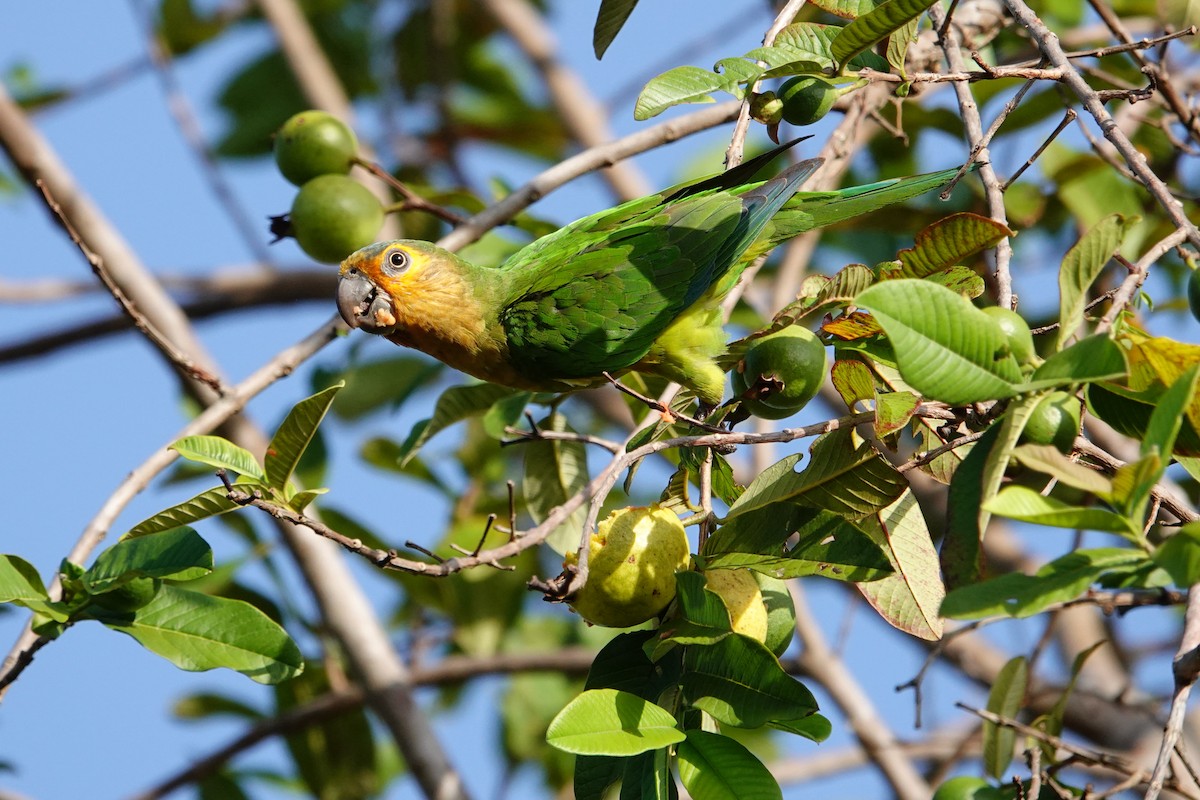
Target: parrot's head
(383, 283)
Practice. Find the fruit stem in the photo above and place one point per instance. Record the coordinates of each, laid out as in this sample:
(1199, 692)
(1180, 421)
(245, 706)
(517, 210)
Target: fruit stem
(412, 201)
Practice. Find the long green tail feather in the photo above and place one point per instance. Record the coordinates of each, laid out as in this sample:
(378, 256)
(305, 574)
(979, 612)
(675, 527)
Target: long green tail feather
(809, 210)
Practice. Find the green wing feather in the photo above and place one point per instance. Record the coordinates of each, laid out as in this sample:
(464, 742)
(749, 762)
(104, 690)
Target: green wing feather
(807, 211)
(598, 294)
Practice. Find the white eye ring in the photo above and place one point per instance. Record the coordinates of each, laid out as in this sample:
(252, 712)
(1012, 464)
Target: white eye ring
(398, 261)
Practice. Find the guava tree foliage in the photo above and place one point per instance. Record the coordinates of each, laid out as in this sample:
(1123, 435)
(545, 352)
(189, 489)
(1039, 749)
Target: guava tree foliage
(897, 423)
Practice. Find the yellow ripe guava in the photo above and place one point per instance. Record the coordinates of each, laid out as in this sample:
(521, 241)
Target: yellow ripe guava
(632, 561)
(743, 597)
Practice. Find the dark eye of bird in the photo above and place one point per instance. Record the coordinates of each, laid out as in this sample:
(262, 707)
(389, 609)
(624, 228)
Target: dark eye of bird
(398, 259)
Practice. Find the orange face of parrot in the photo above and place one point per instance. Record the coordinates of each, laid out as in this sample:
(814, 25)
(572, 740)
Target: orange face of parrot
(363, 298)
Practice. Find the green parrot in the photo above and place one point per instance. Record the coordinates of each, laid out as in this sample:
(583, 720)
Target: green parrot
(636, 287)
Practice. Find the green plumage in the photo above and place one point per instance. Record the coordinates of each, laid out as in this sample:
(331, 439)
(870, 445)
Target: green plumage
(634, 287)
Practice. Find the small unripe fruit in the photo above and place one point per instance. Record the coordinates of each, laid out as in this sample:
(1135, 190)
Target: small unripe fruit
(632, 560)
(806, 99)
(741, 595)
(1055, 421)
(782, 372)
(314, 143)
(766, 108)
(333, 215)
(129, 596)
(1016, 332)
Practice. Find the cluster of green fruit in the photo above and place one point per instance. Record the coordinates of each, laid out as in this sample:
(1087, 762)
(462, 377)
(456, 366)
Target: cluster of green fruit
(802, 100)
(333, 215)
(1055, 420)
(780, 373)
(632, 561)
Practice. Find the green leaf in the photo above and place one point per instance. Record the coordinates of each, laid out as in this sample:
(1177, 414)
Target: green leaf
(947, 243)
(609, 722)
(893, 410)
(827, 544)
(910, 598)
(684, 84)
(294, 434)
(1080, 268)
(21, 585)
(1168, 416)
(1095, 358)
(848, 9)
(594, 775)
(505, 413)
(555, 471)
(456, 404)
(622, 664)
(1052, 722)
(198, 632)
(962, 551)
(1025, 504)
(609, 20)
(219, 453)
(846, 480)
(1019, 595)
(180, 554)
(335, 755)
(1047, 459)
(1180, 555)
(209, 705)
(372, 385)
(945, 347)
(301, 500)
(874, 26)
(202, 506)
(1134, 482)
(715, 767)
(647, 776)
(1004, 700)
(814, 727)
(704, 617)
(19, 581)
(739, 682)
(961, 280)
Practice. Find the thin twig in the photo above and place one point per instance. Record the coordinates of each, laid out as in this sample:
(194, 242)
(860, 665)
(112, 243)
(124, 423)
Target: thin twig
(978, 140)
(1050, 47)
(1138, 275)
(737, 142)
(872, 732)
(1110, 761)
(582, 163)
(181, 360)
(1185, 669)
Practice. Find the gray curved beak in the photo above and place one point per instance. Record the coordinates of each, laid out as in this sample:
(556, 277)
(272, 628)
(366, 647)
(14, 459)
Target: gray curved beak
(362, 305)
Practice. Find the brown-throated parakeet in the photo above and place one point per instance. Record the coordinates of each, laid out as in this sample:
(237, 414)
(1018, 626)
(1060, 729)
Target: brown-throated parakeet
(636, 287)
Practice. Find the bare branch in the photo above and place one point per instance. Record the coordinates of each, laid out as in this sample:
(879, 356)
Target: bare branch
(1136, 160)
(581, 163)
(873, 734)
